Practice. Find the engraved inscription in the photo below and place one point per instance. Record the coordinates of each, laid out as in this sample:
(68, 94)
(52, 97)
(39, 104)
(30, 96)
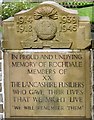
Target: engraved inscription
(50, 81)
(69, 23)
(24, 24)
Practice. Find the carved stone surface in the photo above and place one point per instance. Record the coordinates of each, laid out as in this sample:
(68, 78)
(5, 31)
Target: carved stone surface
(49, 25)
(47, 83)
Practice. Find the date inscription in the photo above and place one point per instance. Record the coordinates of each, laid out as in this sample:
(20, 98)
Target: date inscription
(24, 24)
(69, 23)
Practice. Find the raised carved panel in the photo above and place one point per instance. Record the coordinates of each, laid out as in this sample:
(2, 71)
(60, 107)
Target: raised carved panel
(48, 25)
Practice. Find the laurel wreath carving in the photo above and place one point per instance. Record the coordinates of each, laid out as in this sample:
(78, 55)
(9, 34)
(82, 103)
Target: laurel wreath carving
(45, 12)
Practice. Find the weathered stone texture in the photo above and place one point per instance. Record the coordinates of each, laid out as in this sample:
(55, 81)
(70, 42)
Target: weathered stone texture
(45, 75)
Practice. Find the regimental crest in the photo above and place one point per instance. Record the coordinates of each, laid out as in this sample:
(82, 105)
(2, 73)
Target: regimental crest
(45, 27)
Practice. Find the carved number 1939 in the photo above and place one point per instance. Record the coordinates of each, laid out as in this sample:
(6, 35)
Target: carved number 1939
(69, 23)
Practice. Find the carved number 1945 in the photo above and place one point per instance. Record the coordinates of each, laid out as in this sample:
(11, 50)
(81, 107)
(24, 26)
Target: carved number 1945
(69, 23)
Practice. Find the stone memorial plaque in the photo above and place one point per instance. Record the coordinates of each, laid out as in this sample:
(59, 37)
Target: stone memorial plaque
(47, 83)
(47, 64)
